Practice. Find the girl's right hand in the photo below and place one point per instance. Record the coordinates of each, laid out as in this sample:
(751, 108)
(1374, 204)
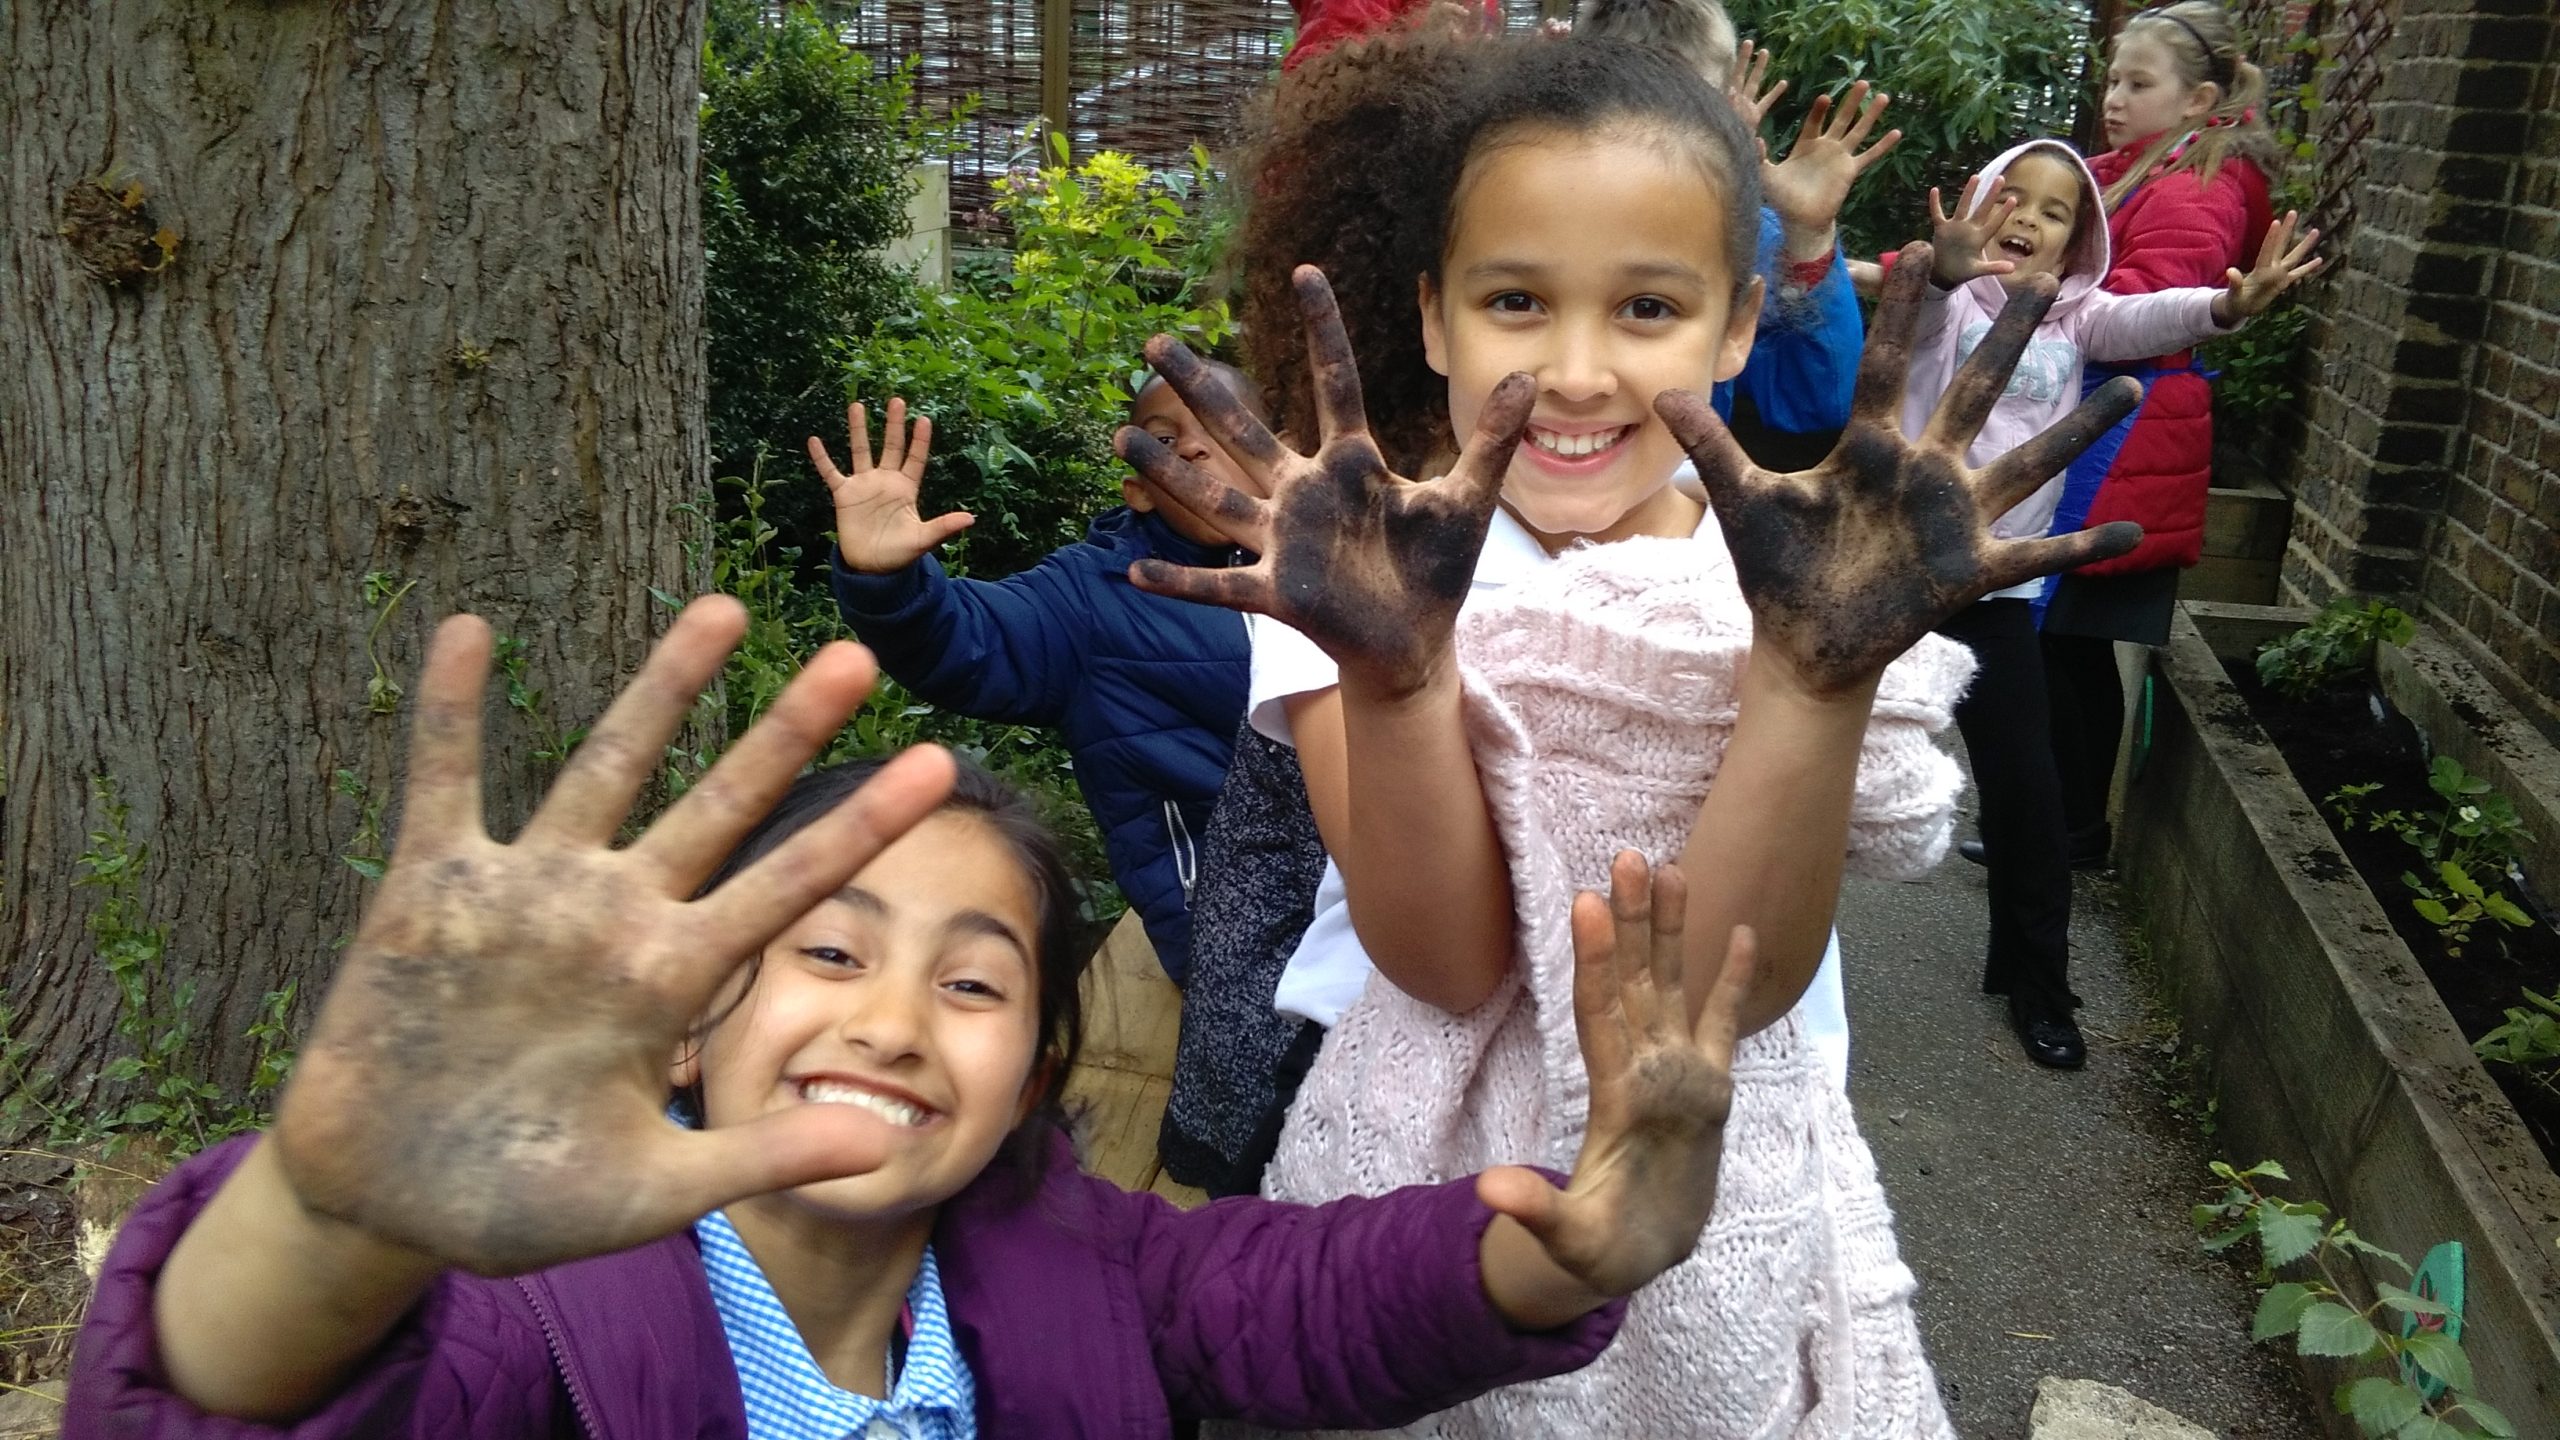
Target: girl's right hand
(487, 1080)
(1961, 242)
(877, 528)
(1370, 566)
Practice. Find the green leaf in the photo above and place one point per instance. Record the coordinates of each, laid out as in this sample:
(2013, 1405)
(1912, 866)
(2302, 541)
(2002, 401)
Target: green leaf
(2431, 911)
(2399, 1299)
(2287, 1237)
(2269, 1169)
(143, 1112)
(124, 1067)
(2280, 1311)
(369, 868)
(2216, 1244)
(2504, 911)
(2458, 880)
(2492, 1423)
(2379, 1404)
(2427, 1427)
(2329, 1328)
(2440, 1355)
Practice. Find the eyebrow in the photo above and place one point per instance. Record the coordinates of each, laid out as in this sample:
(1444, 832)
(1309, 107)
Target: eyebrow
(965, 923)
(1500, 269)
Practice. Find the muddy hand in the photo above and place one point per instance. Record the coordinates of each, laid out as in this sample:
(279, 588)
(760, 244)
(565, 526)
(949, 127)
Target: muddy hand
(1369, 565)
(488, 1077)
(1849, 563)
(1645, 1180)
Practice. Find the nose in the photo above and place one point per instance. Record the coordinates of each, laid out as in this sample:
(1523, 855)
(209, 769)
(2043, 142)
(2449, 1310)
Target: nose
(1196, 448)
(885, 1015)
(1579, 368)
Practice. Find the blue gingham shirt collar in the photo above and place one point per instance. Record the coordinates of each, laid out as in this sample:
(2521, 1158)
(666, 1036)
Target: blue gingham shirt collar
(789, 1398)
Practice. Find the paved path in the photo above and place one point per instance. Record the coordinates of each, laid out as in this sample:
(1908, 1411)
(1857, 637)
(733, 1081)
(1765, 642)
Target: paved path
(2045, 1212)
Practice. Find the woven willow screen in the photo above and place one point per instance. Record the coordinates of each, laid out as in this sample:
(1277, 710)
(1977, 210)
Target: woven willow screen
(1145, 77)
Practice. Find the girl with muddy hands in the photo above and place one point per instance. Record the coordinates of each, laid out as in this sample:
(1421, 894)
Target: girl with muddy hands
(1844, 566)
(487, 1088)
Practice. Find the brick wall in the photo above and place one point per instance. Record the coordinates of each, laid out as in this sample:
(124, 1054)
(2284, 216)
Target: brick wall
(2430, 469)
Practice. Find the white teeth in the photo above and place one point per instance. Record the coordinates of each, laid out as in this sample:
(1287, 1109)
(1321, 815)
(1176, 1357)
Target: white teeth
(1571, 446)
(896, 1112)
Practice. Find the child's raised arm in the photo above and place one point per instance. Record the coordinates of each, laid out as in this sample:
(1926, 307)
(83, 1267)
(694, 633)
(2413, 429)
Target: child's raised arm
(1372, 567)
(485, 1086)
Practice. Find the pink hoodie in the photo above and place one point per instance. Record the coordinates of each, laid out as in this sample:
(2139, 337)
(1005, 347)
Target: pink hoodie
(2085, 323)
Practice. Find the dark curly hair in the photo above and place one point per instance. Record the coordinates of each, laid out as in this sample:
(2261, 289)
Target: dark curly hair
(1357, 161)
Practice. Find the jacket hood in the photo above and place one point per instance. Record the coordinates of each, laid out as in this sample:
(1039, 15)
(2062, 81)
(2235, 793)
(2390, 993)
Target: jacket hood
(2090, 255)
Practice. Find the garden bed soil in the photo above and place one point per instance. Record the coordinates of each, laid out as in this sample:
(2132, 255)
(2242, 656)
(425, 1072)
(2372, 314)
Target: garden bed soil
(2347, 734)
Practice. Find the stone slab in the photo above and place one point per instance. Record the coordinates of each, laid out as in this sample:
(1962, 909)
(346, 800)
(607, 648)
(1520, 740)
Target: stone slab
(2092, 1410)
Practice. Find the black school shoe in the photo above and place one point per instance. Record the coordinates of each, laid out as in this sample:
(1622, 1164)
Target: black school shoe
(2051, 1038)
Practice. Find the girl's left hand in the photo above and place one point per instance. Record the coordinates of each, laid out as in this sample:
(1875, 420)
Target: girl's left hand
(1848, 564)
(2283, 262)
(1744, 88)
(1806, 189)
(1369, 565)
(1645, 1180)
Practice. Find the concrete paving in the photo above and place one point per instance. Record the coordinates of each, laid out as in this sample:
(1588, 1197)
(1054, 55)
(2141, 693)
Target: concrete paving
(2046, 1212)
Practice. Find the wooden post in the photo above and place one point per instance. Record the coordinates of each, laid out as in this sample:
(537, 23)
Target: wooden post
(1057, 59)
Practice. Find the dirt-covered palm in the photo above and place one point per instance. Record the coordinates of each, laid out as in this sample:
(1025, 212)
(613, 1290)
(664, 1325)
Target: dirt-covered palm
(1369, 565)
(1808, 187)
(1847, 564)
(487, 1079)
(878, 529)
(1645, 1179)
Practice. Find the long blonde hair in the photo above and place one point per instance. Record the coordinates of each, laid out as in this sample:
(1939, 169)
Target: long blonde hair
(2205, 46)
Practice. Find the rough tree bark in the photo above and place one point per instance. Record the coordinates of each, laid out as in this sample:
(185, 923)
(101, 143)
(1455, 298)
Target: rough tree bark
(434, 311)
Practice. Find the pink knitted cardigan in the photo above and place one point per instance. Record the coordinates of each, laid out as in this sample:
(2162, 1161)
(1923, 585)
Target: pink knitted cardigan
(1600, 693)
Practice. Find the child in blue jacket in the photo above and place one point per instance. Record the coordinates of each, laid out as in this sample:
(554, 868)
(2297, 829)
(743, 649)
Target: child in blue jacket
(1146, 691)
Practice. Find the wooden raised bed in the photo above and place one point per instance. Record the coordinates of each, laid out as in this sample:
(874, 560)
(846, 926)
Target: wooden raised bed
(2326, 1045)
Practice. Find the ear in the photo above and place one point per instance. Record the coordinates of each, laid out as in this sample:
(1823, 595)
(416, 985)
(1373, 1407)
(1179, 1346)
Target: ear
(1135, 495)
(1739, 328)
(1435, 333)
(2202, 101)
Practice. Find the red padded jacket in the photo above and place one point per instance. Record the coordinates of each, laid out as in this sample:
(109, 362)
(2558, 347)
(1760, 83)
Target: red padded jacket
(2172, 230)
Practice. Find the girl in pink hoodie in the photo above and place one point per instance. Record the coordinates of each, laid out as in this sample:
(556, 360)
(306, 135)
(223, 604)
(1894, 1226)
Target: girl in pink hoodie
(2027, 247)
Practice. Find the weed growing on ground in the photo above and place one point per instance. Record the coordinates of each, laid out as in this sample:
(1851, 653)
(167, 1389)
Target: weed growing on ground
(2337, 643)
(2426, 1394)
(2468, 850)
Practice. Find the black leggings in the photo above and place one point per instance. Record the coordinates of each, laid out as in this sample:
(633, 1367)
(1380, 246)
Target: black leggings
(2087, 698)
(2007, 734)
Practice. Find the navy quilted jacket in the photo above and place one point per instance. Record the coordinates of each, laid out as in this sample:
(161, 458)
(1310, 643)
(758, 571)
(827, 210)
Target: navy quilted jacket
(1147, 692)
(1083, 1311)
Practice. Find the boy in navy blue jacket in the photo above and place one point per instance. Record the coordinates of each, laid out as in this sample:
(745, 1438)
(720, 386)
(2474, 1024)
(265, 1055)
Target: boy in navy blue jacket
(1146, 691)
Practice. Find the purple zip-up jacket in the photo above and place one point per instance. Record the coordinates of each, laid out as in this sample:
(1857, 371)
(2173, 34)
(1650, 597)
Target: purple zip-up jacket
(1083, 1311)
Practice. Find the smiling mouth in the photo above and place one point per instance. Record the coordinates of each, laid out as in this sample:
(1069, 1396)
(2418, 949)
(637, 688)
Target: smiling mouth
(836, 1092)
(1575, 447)
(2018, 245)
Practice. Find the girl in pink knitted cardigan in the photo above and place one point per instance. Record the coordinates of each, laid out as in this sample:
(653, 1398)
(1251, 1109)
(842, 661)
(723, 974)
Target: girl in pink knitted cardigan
(1545, 246)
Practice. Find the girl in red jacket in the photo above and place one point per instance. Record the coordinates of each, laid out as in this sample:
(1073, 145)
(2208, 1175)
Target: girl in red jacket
(2185, 185)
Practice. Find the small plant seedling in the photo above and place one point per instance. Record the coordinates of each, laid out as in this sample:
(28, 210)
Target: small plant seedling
(383, 592)
(2425, 1390)
(2468, 850)
(2338, 642)
(2529, 1041)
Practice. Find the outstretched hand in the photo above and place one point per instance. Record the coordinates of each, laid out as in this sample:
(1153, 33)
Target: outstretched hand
(1807, 188)
(2283, 262)
(878, 530)
(1961, 243)
(487, 1080)
(1748, 90)
(1645, 1180)
(1369, 565)
(1848, 564)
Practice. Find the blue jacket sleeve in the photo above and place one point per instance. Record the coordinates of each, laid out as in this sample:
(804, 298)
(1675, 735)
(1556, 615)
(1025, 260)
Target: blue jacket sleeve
(1804, 363)
(1006, 650)
(1362, 1313)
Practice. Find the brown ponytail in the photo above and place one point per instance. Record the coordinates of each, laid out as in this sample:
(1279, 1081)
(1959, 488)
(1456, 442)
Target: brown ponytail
(2205, 47)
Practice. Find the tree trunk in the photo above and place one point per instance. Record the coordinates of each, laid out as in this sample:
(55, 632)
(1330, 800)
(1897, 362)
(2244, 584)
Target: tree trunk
(294, 294)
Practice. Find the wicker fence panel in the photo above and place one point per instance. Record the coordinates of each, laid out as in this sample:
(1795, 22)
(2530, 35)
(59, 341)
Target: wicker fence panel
(1148, 78)
(2345, 70)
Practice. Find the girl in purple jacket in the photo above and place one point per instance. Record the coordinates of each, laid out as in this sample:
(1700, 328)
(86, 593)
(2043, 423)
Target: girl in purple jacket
(474, 1217)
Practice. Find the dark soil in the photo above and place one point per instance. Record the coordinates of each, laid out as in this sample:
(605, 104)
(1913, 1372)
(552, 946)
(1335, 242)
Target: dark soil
(2349, 735)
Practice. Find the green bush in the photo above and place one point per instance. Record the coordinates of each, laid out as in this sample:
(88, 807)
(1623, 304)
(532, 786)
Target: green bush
(806, 153)
(1968, 78)
(1027, 371)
